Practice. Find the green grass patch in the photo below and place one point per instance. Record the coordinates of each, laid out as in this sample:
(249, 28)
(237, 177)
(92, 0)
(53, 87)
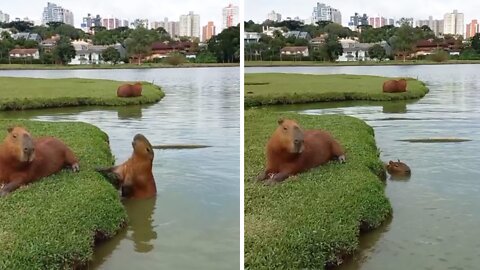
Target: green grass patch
(32, 93)
(313, 219)
(287, 88)
(53, 223)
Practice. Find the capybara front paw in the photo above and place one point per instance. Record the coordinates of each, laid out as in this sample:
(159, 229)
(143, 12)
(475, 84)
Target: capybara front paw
(3, 193)
(75, 167)
(261, 176)
(341, 159)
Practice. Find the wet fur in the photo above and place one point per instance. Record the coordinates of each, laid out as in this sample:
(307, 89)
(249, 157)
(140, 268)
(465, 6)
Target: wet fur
(134, 177)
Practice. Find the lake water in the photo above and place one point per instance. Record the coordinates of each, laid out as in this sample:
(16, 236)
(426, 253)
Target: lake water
(436, 214)
(194, 221)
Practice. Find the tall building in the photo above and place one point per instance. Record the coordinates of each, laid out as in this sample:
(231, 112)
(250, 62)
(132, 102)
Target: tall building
(435, 25)
(472, 29)
(230, 16)
(4, 17)
(273, 16)
(89, 22)
(55, 13)
(125, 23)
(322, 12)
(377, 22)
(140, 22)
(190, 25)
(356, 20)
(208, 31)
(391, 22)
(111, 23)
(453, 23)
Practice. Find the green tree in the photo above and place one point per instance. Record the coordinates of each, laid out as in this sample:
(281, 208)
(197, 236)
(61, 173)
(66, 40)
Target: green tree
(251, 26)
(206, 57)
(6, 45)
(111, 54)
(20, 26)
(377, 51)
(439, 55)
(226, 45)
(475, 41)
(139, 43)
(64, 52)
(30, 44)
(403, 41)
(331, 49)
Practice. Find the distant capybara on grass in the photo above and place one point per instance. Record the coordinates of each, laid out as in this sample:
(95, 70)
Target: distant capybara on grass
(129, 90)
(24, 159)
(398, 168)
(134, 177)
(291, 150)
(394, 86)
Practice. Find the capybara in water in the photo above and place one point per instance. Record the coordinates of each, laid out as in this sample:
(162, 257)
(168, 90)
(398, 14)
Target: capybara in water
(291, 150)
(398, 168)
(24, 159)
(134, 176)
(394, 86)
(130, 90)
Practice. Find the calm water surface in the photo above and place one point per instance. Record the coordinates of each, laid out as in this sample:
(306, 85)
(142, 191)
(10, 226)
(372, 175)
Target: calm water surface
(436, 214)
(193, 223)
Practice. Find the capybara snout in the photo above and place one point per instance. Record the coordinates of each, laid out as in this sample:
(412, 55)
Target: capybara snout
(22, 140)
(292, 135)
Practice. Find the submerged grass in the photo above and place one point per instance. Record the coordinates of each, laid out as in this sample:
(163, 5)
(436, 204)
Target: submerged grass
(315, 218)
(287, 88)
(53, 223)
(32, 93)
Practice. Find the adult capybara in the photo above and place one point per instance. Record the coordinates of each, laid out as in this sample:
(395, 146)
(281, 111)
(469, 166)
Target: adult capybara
(398, 168)
(24, 159)
(129, 90)
(134, 176)
(394, 86)
(291, 150)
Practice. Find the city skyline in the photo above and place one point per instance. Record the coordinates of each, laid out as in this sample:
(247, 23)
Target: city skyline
(258, 10)
(209, 10)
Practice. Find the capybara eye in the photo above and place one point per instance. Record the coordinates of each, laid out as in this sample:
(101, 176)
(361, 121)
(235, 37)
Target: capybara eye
(284, 128)
(148, 150)
(14, 136)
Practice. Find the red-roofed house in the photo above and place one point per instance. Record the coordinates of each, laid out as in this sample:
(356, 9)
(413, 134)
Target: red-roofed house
(24, 53)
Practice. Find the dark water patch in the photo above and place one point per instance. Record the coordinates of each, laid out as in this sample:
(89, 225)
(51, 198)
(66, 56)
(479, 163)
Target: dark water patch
(435, 140)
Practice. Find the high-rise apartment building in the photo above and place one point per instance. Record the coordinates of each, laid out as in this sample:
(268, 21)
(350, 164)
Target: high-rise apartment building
(55, 13)
(356, 20)
(377, 22)
(89, 22)
(230, 16)
(190, 25)
(111, 23)
(208, 31)
(273, 16)
(435, 25)
(171, 27)
(4, 17)
(453, 23)
(322, 12)
(472, 29)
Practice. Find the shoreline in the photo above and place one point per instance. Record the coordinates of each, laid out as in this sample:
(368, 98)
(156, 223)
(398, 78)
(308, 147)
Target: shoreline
(355, 64)
(106, 67)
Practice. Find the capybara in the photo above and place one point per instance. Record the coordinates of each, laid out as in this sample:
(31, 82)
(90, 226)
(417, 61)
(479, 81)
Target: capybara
(129, 90)
(24, 159)
(394, 86)
(398, 168)
(291, 150)
(134, 176)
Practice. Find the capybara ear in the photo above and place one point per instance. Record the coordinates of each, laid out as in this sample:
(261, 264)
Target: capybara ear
(280, 121)
(390, 162)
(10, 129)
(398, 160)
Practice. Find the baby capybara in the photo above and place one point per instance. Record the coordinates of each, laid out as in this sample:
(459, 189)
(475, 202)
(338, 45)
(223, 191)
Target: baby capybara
(291, 150)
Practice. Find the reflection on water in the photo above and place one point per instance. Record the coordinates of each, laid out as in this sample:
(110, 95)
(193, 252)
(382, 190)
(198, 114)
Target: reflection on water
(435, 213)
(194, 222)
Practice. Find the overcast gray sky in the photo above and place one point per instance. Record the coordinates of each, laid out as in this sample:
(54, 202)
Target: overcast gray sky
(257, 10)
(209, 10)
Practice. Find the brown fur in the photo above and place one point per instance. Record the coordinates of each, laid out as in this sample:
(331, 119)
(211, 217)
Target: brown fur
(24, 159)
(134, 176)
(291, 150)
(398, 168)
(130, 90)
(394, 86)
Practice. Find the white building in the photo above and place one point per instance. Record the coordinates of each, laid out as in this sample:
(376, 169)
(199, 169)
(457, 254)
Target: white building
(87, 53)
(322, 12)
(54, 13)
(189, 25)
(273, 16)
(4, 17)
(435, 25)
(453, 23)
(230, 16)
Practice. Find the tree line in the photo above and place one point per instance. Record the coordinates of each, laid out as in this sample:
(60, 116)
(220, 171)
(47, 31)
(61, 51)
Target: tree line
(402, 40)
(224, 47)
